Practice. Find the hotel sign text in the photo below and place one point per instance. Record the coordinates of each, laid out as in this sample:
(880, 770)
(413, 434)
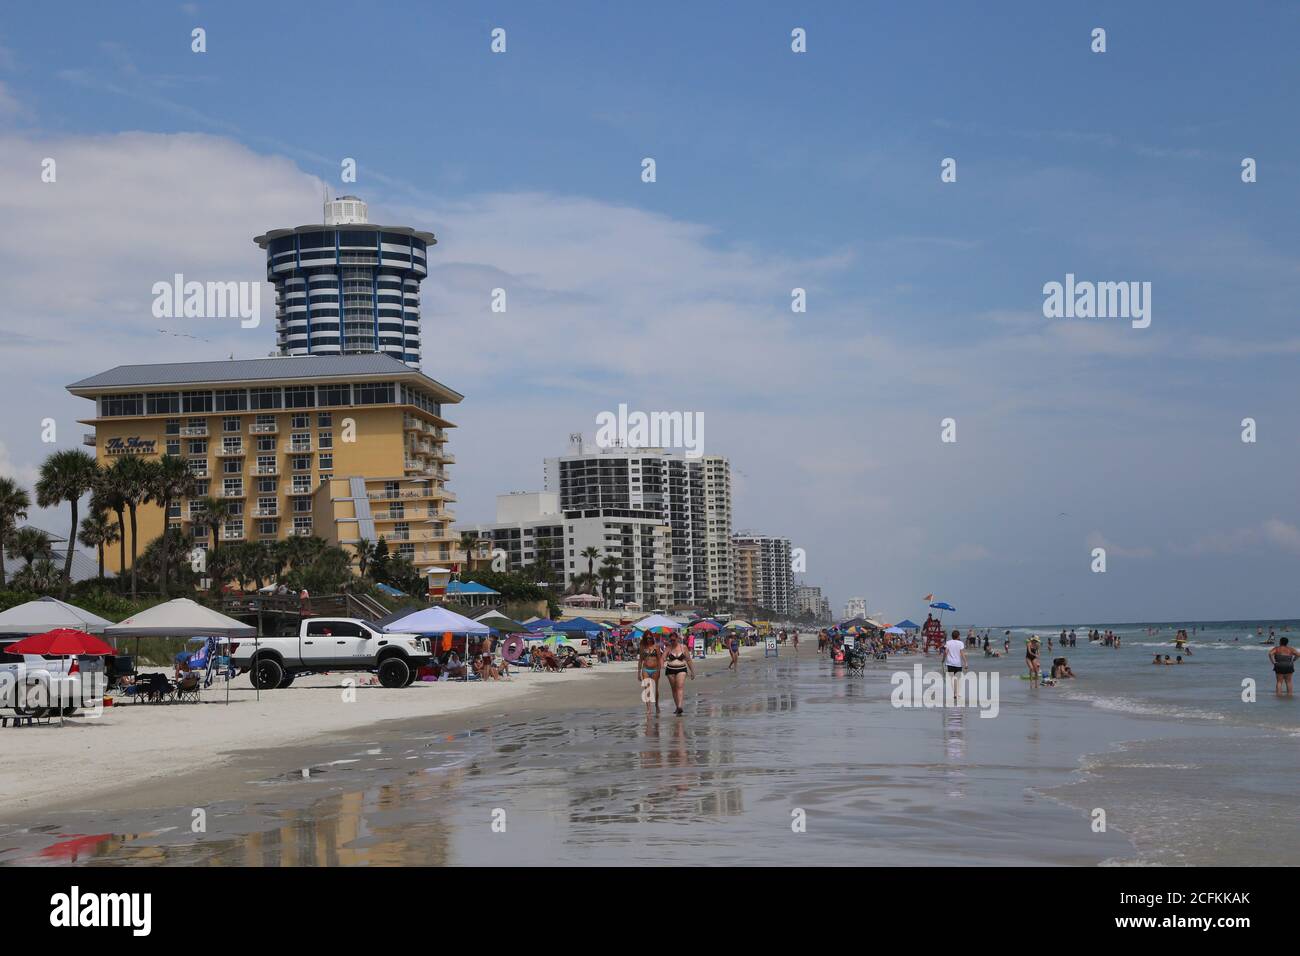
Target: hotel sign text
(131, 446)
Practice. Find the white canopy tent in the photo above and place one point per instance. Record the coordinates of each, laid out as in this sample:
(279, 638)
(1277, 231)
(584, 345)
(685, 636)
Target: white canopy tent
(46, 614)
(657, 620)
(180, 618)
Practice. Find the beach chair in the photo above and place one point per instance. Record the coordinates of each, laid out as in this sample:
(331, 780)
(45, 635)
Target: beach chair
(856, 660)
(189, 688)
(155, 688)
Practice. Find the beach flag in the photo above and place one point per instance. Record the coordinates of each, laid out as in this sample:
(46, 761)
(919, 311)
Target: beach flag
(929, 597)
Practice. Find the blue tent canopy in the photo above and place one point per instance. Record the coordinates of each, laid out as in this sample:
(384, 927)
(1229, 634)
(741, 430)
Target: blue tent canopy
(941, 606)
(468, 587)
(539, 625)
(908, 625)
(578, 625)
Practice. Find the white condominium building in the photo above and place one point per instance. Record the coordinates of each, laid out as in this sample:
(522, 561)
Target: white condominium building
(855, 607)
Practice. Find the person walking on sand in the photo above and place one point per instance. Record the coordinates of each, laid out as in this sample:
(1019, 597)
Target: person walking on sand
(954, 661)
(795, 639)
(733, 645)
(649, 667)
(677, 666)
(1283, 658)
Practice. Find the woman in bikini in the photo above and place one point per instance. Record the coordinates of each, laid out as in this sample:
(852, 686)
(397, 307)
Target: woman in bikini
(677, 666)
(649, 668)
(1283, 658)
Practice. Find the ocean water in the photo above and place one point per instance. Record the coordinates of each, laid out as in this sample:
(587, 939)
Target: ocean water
(790, 760)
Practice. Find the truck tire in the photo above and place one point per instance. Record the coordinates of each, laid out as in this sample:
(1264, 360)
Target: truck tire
(411, 680)
(286, 680)
(266, 673)
(394, 672)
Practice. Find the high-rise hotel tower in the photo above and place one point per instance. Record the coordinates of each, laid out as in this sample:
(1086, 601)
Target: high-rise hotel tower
(347, 287)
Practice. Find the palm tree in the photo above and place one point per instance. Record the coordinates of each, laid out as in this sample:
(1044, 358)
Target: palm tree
(66, 476)
(591, 553)
(14, 503)
(170, 481)
(468, 544)
(611, 571)
(365, 551)
(212, 513)
(30, 544)
(108, 497)
(133, 479)
(96, 532)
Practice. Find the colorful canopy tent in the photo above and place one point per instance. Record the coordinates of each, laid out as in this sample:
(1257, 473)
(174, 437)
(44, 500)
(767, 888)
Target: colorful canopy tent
(657, 622)
(46, 614)
(436, 620)
(180, 617)
(467, 588)
(739, 626)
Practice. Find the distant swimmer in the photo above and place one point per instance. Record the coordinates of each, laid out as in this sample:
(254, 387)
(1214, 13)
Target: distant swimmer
(1156, 659)
(1283, 658)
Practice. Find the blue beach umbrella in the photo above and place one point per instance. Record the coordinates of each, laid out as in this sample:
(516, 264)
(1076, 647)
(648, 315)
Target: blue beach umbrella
(941, 606)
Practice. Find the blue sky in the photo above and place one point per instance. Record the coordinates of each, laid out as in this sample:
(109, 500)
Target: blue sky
(775, 170)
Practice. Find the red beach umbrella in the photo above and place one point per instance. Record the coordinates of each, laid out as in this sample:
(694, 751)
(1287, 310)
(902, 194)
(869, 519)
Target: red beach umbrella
(62, 641)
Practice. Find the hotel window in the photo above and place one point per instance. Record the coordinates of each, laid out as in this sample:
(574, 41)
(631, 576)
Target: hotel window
(232, 487)
(301, 486)
(326, 419)
(265, 398)
(201, 489)
(372, 394)
(326, 462)
(236, 509)
(174, 510)
(301, 505)
(164, 403)
(266, 506)
(265, 424)
(173, 446)
(299, 396)
(300, 462)
(334, 395)
(199, 447)
(232, 400)
(266, 485)
(265, 464)
(406, 550)
(299, 421)
(300, 441)
(233, 529)
(267, 527)
(402, 530)
(173, 427)
(196, 402)
(266, 443)
(200, 532)
(324, 440)
(302, 525)
(230, 423)
(113, 406)
(232, 446)
(231, 466)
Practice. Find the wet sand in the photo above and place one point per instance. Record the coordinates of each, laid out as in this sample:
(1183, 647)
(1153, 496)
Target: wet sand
(787, 761)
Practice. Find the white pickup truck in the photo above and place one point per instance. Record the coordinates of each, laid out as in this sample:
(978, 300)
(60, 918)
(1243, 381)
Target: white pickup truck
(332, 644)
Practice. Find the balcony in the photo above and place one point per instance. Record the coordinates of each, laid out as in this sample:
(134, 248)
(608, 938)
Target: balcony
(199, 472)
(395, 495)
(300, 532)
(271, 512)
(88, 439)
(413, 465)
(231, 493)
(264, 470)
(447, 458)
(193, 431)
(263, 428)
(233, 450)
(300, 489)
(297, 448)
(232, 534)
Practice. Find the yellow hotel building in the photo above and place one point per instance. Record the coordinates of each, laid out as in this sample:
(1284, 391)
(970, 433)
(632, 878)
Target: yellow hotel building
(339, 446)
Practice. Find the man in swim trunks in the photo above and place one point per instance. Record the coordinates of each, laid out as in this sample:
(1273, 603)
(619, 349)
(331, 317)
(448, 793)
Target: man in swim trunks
(954, 661)
(1283, 658)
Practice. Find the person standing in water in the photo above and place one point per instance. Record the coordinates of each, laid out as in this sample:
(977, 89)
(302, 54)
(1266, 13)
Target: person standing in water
(1031, 659)
(677, 666)
(954, 661)
(648, 669)
(1283, 658)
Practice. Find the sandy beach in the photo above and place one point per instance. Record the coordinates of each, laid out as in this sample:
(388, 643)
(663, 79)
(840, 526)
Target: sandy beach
(142, 754)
